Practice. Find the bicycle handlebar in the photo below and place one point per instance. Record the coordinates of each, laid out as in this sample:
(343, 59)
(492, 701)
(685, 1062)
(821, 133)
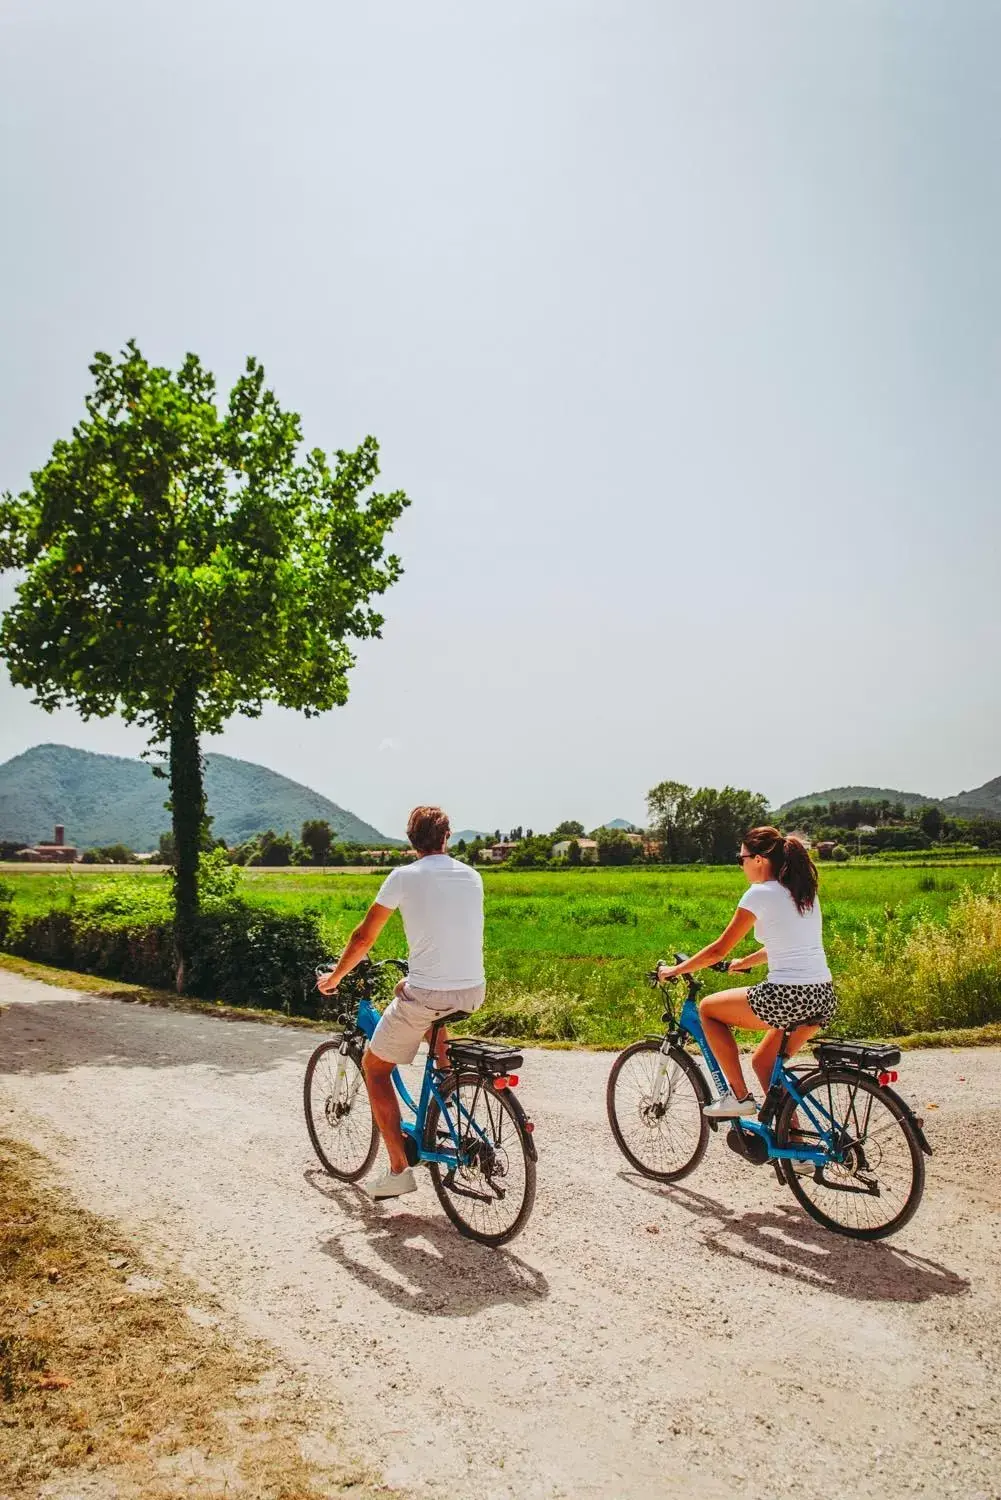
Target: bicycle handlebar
(723, 967)
(368, 963)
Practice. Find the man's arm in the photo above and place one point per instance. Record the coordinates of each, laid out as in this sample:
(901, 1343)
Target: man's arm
(357, 947)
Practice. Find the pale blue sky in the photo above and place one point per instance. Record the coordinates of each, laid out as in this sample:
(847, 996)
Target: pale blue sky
(678, 322)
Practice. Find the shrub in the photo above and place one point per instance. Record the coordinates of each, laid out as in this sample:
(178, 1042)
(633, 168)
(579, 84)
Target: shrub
(247, 955)
(926, 976)
(265, 960)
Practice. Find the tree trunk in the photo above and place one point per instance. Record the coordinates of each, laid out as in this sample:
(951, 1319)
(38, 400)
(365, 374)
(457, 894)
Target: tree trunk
(187, 800)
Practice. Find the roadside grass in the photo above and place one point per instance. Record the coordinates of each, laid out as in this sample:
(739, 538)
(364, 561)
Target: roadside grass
(552, 1020)
(117, 1379)
(566, 953)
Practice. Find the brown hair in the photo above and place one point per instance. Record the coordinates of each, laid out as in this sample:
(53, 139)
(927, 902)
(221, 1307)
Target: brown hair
(428, 829)
(790, 861)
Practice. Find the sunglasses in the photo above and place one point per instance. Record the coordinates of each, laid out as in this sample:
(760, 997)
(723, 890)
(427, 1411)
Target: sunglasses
(742, 857)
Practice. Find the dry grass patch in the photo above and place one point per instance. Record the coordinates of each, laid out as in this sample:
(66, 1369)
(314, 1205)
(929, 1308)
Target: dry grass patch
(118, 1380)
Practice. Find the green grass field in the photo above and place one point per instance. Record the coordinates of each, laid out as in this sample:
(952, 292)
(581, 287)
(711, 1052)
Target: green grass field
(912, 948)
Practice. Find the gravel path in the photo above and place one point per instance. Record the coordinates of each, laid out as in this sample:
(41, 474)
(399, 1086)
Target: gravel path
(635, 1341)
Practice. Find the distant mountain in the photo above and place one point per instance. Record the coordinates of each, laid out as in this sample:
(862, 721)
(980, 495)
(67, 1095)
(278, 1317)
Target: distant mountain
(985, 799)
(622, 823)
(106, 799)
(468, 834)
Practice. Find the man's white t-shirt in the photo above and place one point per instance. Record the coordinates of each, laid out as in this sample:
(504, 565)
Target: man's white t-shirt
(441, 902)
(794, 939)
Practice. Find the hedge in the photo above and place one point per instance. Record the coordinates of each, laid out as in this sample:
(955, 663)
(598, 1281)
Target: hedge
(246, 956)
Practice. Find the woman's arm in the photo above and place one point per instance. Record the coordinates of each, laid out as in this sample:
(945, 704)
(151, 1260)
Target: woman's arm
(740, 925)
(749, 961)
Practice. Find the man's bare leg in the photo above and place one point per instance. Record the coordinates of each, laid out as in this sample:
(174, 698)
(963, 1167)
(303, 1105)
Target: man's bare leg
(441, 1046)
(385, 1108)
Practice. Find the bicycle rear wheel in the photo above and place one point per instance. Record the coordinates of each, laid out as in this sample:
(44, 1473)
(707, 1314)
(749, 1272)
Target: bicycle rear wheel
(656, 1116)
(338, 1112)
(489, 1196)
(872, 1183)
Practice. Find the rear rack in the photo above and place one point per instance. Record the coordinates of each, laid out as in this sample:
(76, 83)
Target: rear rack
(870, 1057)
(492, 1059)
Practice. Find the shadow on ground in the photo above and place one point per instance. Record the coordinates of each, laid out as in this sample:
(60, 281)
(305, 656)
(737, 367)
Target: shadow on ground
(418, 1262)
(55, 1031)
(785, 1242)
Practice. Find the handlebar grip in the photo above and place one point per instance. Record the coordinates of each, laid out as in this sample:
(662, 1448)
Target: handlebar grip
(723, 967)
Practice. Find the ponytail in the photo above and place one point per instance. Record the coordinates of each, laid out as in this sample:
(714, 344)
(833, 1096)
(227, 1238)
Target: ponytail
(790, 861)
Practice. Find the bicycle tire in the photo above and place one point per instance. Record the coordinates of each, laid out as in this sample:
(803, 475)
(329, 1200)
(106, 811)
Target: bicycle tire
(658, 1171)
(367, 1142)
(854, 1082)
(463, 1217)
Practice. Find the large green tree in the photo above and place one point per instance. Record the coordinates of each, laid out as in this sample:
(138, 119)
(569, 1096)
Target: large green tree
(182, 563)
(705, 825)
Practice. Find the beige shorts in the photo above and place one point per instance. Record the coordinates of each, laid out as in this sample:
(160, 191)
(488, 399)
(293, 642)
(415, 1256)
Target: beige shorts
(411, 1013)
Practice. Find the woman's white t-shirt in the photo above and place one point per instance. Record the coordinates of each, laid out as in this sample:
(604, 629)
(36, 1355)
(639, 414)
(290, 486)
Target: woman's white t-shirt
(794, 939)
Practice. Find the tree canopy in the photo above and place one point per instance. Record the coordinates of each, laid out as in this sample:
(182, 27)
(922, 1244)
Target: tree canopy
(707, 824)
(183, 563)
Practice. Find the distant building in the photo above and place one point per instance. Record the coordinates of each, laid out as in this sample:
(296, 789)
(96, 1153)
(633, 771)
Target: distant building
(58, 852)
(495, 854)
(588, 849)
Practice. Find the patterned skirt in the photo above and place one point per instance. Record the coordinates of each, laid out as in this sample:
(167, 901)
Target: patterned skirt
(786, 1005)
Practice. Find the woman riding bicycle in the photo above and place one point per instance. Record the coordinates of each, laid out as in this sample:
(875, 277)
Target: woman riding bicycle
(781, 905)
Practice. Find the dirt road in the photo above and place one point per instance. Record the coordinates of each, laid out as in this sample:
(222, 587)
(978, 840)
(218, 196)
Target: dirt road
(636, 1341)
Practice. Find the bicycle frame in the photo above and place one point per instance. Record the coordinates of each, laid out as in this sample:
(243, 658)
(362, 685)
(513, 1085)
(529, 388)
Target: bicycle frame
(782, 1080)
(366, 1021)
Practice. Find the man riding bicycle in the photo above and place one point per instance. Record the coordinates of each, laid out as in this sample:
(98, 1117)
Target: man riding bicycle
(441, 903)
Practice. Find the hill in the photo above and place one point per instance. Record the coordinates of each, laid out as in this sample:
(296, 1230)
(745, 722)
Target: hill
(985, 799)
(107, 799)
(622, 823)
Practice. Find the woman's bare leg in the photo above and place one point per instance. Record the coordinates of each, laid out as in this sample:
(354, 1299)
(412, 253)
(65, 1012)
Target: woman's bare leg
(768, 1049)
(719, 1014)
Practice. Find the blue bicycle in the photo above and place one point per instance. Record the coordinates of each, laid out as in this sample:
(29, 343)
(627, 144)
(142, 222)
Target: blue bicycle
(467, 1124)
(849, 1147)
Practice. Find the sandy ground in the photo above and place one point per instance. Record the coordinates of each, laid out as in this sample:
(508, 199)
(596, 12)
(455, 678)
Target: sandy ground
(635, 1341)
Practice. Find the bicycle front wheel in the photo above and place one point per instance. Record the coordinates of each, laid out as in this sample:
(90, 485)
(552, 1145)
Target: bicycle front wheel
(872, 1182)
(338, 1112)
(654, 1101)
(489, 1195)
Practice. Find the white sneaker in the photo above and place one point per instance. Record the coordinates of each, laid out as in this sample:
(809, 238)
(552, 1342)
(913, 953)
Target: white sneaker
(392, 1185)
(729, 1107)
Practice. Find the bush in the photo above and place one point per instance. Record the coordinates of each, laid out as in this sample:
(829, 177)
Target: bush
(927, 976)
(260, 959)
(110, 854)
(247, 955)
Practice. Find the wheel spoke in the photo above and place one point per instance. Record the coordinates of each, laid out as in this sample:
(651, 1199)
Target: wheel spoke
(489, 1193)
(338, 1112)
(655, 1111)
(872, 1181)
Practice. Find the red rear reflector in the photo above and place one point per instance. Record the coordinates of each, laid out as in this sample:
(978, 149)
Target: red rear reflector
(530, 1126)
(500, 1083)
(886, 1078)
(512, 1081)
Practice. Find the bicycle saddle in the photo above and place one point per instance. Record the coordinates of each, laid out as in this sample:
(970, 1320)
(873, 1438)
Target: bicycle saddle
(453, 1016)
